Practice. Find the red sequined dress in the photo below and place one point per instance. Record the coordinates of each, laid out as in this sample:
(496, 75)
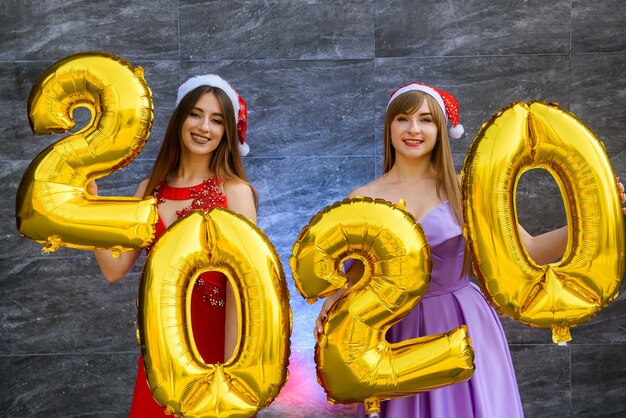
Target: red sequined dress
(207, 299)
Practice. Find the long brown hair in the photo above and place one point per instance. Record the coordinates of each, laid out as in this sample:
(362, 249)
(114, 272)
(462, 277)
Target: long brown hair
(441, 156)
(225, 162)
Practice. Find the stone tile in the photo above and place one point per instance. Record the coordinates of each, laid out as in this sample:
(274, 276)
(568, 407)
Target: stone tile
(518, 333)
(50, 30)
(163, 78)
(314, 108)
(598, 94)
(482, 85)
(64, 305)
(604, 328)
(457, 160)
(433, 28)
(543, 377)
(292, 190)
(276, 29)
(598, 27)
(68, 385)
(598, 380)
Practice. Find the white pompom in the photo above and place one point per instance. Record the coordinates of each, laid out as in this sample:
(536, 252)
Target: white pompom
(244, 149)
(456, 132)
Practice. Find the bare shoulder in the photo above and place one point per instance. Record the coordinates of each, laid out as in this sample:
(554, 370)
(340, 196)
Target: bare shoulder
(237, 188)
(371, 189)
(141, 189)
(240, 198)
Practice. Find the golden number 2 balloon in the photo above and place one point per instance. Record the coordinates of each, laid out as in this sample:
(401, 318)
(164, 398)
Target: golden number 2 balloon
(566, 293)
(354, 361)
(180, 380)
(51, 206)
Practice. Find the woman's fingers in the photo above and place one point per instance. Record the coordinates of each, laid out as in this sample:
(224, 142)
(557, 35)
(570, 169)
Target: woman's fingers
(319, 325)
(92, 188)
(319, 328)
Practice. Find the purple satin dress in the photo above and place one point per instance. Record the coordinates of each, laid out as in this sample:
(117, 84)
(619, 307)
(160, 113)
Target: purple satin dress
(450, 302)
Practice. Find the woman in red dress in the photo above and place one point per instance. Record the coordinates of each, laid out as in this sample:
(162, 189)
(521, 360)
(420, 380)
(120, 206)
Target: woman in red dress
(198, 167)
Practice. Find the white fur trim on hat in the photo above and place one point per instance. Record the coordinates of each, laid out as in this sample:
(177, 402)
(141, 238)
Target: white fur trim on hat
(418, 87)
(212, 80)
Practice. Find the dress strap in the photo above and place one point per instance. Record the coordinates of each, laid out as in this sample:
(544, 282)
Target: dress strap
(210, 186)
(205, 195)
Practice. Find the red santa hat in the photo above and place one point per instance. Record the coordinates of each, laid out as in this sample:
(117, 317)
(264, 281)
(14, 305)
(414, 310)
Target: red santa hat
(446, 101)
(239, 105)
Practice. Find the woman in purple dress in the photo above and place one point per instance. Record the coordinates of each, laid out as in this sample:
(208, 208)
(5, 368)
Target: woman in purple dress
(418, 168)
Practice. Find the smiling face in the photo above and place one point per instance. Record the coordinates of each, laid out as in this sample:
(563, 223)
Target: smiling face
(414, 135)
(203, 128)
(406, 106)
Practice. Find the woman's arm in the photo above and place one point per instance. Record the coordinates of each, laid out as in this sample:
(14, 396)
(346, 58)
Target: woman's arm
(547, 247)
(115, 268)
(240, 200)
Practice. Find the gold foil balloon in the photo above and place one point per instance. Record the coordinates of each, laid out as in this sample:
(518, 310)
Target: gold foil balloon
(355, 363)
(566, 293)
(178, 377)
(52, 207)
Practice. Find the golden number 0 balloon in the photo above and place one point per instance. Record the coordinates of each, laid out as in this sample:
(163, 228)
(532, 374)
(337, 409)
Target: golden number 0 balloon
(51, 206)
(179, 378)
(354, 361)
(558, 295)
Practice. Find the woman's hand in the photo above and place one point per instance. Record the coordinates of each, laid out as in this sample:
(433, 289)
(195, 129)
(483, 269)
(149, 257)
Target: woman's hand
(321, 318)
(92, 188)
(355, 270)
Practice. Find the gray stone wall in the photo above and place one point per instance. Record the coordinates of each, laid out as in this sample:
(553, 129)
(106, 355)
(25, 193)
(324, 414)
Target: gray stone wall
(316, 76)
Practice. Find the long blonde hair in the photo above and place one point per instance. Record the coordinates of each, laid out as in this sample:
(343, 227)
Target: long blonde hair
(226, 161)
(441, 156)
